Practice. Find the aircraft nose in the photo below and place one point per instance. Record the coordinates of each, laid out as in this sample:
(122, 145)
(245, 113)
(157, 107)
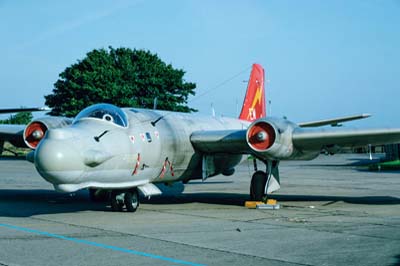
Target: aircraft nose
(57, 159)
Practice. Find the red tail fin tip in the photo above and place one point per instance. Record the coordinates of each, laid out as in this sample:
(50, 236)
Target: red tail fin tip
(254, 102)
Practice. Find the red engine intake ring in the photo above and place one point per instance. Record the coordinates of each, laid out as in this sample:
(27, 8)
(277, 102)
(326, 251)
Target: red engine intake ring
(261, 136)
(34, 133)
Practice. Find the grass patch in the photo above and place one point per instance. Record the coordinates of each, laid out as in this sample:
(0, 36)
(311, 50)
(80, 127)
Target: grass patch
(11, 150)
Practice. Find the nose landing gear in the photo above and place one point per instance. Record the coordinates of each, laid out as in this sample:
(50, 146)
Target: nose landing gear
(129, 199)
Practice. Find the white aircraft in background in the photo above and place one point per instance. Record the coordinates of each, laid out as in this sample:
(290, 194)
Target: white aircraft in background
(122, 151)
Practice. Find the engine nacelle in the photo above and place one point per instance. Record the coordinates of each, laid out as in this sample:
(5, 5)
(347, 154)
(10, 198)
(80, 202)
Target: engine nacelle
(36, 129)
(271, 138)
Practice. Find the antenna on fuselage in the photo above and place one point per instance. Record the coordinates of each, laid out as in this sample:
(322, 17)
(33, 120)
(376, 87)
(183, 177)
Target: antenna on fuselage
(153, 123)
(155, 103)
(97, 138)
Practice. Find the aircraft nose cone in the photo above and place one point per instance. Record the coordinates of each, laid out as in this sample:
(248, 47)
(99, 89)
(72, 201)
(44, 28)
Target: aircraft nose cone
(57, 159)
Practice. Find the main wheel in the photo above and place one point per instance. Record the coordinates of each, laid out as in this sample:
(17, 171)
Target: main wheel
(257, 186)
(131, 200)
(117, 202)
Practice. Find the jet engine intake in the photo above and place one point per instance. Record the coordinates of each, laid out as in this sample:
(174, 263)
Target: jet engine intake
(271, 138)
(261, 136)
(35, 130)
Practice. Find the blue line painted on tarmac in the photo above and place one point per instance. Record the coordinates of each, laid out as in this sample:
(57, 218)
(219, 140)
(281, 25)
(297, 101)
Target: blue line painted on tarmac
(91, 243)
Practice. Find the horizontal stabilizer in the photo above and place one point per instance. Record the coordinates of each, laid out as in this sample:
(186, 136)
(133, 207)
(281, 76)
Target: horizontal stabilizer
(334, 121)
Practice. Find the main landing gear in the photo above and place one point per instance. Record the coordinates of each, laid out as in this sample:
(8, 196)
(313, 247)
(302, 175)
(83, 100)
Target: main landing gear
(127, 198)
(257, 186)
(263, 183)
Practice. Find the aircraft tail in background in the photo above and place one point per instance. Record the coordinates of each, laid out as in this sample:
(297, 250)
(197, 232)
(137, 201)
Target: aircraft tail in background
(254, 102)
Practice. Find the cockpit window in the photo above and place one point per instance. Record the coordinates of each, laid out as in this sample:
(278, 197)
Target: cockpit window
(106, 112)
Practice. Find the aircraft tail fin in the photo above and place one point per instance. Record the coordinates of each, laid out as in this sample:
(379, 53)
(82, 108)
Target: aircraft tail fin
(254, 102)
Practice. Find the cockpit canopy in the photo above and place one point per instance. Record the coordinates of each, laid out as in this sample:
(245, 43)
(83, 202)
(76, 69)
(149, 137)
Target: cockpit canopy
(104, 111)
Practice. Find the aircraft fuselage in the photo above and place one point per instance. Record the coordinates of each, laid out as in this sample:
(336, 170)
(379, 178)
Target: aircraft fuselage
(97, 153)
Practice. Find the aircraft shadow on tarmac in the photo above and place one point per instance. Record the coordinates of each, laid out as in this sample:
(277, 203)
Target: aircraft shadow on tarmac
(397, 263)
(26, 203)
(12, 158)
(239, 199)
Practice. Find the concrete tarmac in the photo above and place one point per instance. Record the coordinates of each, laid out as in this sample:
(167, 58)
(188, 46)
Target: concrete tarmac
(333, 213)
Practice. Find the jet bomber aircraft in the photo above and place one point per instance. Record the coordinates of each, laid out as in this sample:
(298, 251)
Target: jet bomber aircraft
(120, 152)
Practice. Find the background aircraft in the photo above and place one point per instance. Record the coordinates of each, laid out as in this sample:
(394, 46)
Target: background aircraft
(125, 150)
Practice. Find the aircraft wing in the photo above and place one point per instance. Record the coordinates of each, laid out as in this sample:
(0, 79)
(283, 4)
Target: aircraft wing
(333, 121)
(19, 110)
(300, 141)
(312, 139)
(220, 141)
(11, 131)
(13, 134)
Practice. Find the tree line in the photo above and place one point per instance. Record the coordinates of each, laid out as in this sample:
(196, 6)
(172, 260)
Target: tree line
(121, 76)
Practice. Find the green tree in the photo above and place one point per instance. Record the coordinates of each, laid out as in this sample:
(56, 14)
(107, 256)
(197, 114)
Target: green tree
(22, 118)
(124, 77)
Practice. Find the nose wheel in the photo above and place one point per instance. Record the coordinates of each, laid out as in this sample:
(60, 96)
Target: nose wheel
(129, 199)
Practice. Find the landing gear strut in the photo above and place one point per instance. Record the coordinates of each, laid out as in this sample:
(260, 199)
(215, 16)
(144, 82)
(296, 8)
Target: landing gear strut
(129, 199)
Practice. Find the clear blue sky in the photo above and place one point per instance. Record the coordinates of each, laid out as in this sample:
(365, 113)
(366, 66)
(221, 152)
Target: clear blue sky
(322, 58)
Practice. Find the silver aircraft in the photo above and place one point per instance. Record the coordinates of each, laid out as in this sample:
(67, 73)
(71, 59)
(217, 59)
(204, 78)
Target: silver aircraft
(123, 151)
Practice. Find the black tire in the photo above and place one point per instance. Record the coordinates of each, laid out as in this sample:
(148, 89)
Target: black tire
(257, 186)
(131, 200)
(116, 204)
